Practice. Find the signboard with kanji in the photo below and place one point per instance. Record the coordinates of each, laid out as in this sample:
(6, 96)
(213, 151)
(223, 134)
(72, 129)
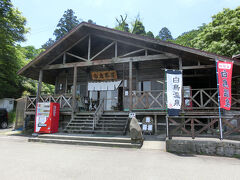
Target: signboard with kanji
(224, 70)
(174, 90)
(104, 75)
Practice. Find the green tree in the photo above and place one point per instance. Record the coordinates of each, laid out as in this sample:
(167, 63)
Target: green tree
(30, 85)
(165, 34)
(91, 21)
(150, 34)
(48, 44)
(138, 27)
(222, 35)
(66, 24)
(186, 38)
(122, 24)
(12, 31)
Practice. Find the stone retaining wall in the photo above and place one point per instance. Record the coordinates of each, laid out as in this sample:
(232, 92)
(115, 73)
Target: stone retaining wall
(204, 147)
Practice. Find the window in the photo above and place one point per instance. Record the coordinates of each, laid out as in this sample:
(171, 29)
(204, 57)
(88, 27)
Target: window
(144, 86)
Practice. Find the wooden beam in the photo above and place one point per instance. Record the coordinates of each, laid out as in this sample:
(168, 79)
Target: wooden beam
(180, 63)
(198, 67)
(74, 89)
(116, 49)
(130, 86)
(131, 53)
(196, 75)
(89, 47)
(78, 57)
(68, 49)
(64, 58)
(39, 89)
(133, 44)
(111, 61)
(104, 49)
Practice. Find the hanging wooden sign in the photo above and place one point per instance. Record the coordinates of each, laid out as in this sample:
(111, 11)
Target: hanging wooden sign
(104, 75)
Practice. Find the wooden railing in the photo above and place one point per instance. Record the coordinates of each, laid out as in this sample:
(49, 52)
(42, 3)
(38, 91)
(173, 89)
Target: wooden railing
(65, 101)
(149, 100)
(201, 99)
(98, 113)
(197, 126)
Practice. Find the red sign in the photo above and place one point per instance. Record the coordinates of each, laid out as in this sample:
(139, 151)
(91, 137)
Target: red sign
(224, 70)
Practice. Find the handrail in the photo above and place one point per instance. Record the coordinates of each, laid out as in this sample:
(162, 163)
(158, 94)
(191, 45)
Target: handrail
(98, 113)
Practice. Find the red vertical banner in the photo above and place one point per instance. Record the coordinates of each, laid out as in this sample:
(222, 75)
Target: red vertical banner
(224, 70)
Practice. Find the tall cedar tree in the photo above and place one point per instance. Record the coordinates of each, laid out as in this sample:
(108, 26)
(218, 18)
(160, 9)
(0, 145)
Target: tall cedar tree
(65, 24)
(165, 34)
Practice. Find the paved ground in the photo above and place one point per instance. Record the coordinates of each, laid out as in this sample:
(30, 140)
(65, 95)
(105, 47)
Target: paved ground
(22, 160)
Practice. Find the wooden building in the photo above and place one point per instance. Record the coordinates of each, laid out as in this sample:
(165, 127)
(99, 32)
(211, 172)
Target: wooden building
(102, 74)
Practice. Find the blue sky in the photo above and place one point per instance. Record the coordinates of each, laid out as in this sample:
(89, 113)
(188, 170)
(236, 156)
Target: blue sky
(177, 15)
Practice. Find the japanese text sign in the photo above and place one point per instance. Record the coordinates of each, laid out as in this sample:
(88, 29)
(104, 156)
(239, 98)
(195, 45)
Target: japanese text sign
(174, 89)
(104, 75)
(224, 70)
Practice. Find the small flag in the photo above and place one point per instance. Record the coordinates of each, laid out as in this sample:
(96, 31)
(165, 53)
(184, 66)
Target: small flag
(224, 70)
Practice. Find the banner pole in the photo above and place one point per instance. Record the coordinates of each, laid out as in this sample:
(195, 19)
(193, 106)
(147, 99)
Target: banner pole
(165, 94)
(219, 108)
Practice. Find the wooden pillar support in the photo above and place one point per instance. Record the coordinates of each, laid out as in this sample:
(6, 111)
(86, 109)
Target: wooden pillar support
(89, 48)
(180, 63)
(39, 89)
(155, 121)
(74, 90)
(167, 128)
(116, 50)
(64, 58)
(130, 86)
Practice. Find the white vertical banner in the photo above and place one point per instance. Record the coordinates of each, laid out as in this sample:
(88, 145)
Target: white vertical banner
(174, 89)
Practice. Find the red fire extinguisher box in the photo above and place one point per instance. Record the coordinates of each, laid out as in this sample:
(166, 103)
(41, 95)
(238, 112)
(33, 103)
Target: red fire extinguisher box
(47, 117)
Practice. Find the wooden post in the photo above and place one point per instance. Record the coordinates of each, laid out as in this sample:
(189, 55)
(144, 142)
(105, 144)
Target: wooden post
(39, 89)
(123, 85)
(64, 58)
(192, 129)
(180, 63)
(181, 68)
(167, 127)
(130, 86)
(146, 52)
(66, 82)
(74, 90)
(155, 121)
(89, 47)
(116, 49)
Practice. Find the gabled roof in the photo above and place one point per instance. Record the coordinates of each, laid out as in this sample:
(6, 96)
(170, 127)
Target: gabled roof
(84, 28)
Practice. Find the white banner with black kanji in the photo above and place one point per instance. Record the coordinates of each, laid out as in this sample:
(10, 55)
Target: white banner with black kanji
(174, 89)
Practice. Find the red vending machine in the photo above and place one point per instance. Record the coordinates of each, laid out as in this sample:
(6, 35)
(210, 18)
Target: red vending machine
(47, 118)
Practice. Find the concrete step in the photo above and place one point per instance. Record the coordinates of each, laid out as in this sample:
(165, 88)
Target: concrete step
(81, 123)
(86, 131)
(87, 138)
(87, 118)
(109, 117)
(86, 143)
(81, 120)
(113, 120)
(96, 128)
(110, 124)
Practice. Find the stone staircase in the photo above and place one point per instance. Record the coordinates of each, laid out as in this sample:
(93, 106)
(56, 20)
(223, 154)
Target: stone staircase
(88, 140)
(108, 123)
